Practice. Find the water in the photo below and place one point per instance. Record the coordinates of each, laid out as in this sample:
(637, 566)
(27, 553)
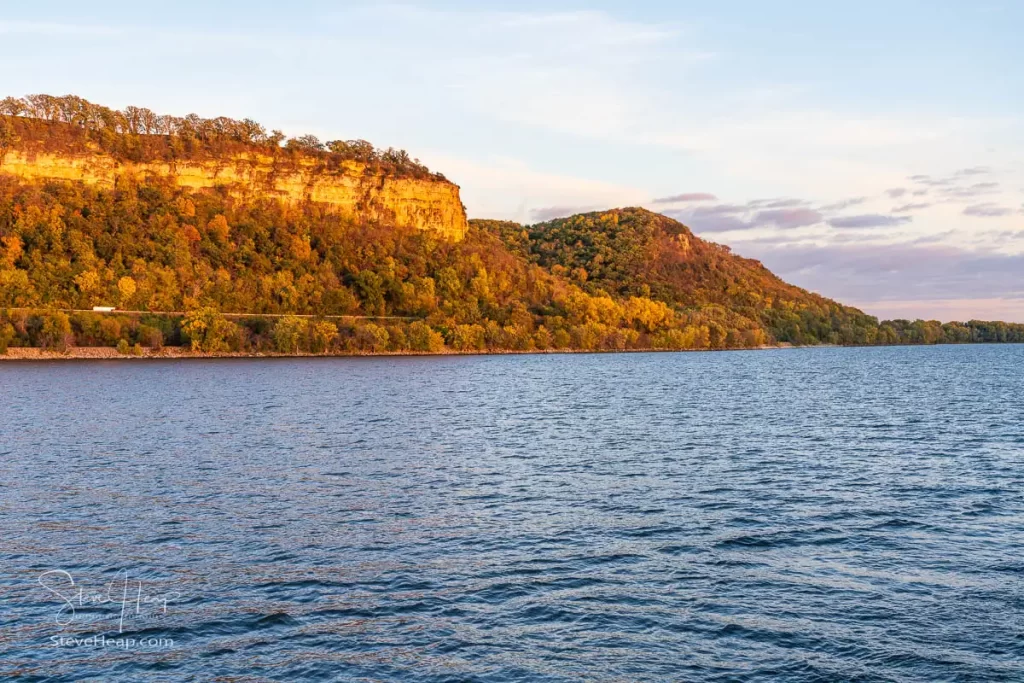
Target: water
(802, 515)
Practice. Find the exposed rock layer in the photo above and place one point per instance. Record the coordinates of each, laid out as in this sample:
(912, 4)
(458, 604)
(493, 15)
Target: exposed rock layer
(424, 204)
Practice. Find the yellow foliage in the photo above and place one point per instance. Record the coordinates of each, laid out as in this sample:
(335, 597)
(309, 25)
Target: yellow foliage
(127, 288)
(219, 229)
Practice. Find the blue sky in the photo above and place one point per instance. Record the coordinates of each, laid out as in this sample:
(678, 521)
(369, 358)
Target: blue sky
(871, 151)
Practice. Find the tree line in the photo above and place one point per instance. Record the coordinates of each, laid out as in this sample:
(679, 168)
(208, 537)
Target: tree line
(139, 134)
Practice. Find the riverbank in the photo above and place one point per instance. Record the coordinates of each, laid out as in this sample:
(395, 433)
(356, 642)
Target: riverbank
(174, 352)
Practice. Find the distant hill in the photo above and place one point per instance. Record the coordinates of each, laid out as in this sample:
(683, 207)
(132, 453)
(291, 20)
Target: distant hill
(214, 234)
(635, 252)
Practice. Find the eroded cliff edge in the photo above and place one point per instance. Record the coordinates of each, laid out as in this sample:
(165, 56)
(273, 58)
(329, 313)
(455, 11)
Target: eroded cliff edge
(424, 204)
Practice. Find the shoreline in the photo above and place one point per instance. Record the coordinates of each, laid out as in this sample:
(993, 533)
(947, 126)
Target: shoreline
(103, 353)
(97, 353)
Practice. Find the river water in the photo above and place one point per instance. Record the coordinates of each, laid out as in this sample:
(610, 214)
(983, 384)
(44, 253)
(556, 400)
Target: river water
(803, 515)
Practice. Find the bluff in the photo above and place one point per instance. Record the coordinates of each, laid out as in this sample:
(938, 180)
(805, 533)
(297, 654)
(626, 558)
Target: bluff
(350, 189)
(83, 142)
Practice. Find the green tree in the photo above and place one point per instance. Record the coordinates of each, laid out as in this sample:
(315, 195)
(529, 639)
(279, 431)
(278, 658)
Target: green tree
(371, 337)
(56, 332)
(324, 334)
(422, 338)
(207, 330)
(290, 334)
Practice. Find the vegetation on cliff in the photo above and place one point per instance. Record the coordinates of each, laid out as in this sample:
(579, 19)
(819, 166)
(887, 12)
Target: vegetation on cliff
(72, 125)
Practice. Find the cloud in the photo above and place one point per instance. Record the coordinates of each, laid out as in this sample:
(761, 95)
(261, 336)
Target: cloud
(548, 213)
(896, 192)
(951, 187)
(788, 218)
(971, 191)
(908, 208)
(919, 276)
(930, 181)
(987, 210)
(778, 203)
(761, 213)
(869, 220)
(974, 170)
(844, 204)
(686, 197)
(708, 219)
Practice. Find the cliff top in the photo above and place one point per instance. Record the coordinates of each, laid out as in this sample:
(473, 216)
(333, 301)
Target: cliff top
(74, 126)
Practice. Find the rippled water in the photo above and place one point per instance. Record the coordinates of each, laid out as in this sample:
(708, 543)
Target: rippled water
(812, 514)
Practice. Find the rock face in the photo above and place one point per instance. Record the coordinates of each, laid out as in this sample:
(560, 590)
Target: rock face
(419, 203)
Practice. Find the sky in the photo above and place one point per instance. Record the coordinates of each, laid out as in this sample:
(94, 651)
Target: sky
(871, 151)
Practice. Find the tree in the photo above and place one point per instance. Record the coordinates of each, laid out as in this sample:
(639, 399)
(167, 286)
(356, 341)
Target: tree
(469, 338)
(7, 335)
(56, 332)
(207, 330)
(371, 337)
(307, 143)
(324, 334)
(289, 334)
(126, 287)
(422, 338)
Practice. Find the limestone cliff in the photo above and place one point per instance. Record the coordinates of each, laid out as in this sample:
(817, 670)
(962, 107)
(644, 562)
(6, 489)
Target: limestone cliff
(424, 204)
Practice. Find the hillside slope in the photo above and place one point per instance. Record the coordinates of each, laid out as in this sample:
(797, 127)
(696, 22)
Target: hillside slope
(635, 252)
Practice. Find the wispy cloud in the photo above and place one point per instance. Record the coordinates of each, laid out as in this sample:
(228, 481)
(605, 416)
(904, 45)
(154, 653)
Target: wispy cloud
(987, 210)
(778, 203)
(712, 219)
(548, 213)
(910, 208)
(686, 197)
(932, 182)
(869, 220)
(788, 218)
(970, 191)
(921, 276)
(844, 204)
